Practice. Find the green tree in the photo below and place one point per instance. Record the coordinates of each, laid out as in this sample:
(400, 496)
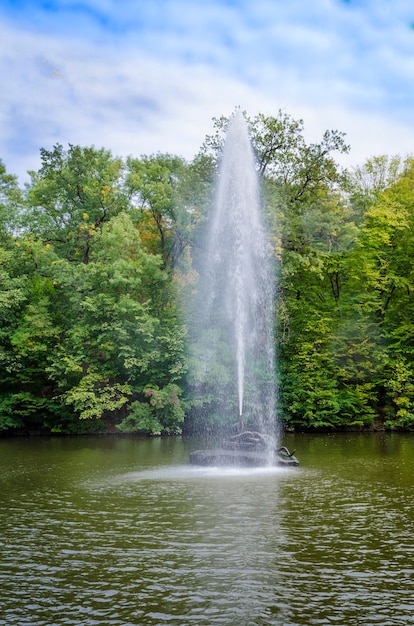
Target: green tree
(364, 183)
(169, 195)
(311, 230)
(384, 270)
(27, 331)
(299, 170)
(11, 202)
(73, 194)
(90, 319)
(123, 332)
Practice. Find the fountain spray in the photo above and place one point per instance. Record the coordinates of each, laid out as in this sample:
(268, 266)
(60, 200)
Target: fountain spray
(237, 286)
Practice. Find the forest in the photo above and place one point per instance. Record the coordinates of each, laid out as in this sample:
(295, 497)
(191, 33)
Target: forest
(98, 266)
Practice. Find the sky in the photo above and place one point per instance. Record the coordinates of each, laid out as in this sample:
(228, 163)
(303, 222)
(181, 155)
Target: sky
(146, 76)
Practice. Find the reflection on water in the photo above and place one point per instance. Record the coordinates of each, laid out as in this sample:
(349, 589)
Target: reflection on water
(188, 472)
(116, 531)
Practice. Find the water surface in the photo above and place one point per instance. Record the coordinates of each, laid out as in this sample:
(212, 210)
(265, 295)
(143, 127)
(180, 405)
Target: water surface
(121, 531)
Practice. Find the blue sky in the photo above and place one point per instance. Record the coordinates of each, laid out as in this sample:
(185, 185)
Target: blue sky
(145, 76)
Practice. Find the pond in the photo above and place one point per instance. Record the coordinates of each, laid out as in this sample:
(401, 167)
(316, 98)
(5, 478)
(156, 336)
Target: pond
(122, 531)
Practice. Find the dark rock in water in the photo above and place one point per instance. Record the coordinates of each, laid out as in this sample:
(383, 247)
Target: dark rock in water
(247, 449)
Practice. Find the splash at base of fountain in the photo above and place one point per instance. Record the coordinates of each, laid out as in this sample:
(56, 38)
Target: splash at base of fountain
(247, 449)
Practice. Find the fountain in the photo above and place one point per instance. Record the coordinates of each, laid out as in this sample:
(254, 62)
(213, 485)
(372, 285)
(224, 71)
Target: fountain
(235, 332)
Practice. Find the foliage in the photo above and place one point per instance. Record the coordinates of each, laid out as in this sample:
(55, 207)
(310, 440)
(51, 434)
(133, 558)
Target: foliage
(350, 280)
(164, 413)
(97, 254)
(73, 194)
(298, 170)
(89, 318)
(11, 201)
(140, 419)
(168, 193)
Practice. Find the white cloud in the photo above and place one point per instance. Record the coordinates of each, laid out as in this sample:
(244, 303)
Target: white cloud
(135, 79)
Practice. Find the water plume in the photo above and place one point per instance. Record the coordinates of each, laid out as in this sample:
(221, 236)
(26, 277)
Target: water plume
(236, 344)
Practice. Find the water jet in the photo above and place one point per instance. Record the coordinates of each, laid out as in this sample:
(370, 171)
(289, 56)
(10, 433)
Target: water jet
(235, 342)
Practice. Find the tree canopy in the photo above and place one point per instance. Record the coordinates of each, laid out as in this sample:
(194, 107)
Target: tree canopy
(99, 257)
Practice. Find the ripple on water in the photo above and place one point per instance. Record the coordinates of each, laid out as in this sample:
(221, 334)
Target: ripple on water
(180, 546)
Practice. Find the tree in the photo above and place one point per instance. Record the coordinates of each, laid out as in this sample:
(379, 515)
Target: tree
(73, 194)
(97, 254)
(27, 331)
(90, 318)
(298, 170)
(364, 183)
(311, 230)
(384, 270)
(11, 202)
(122, 333)
(169, 195)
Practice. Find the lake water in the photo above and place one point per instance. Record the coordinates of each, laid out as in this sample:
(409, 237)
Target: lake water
(122, 531)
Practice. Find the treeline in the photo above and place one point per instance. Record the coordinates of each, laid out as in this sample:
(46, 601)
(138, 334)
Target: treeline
(98, 264)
